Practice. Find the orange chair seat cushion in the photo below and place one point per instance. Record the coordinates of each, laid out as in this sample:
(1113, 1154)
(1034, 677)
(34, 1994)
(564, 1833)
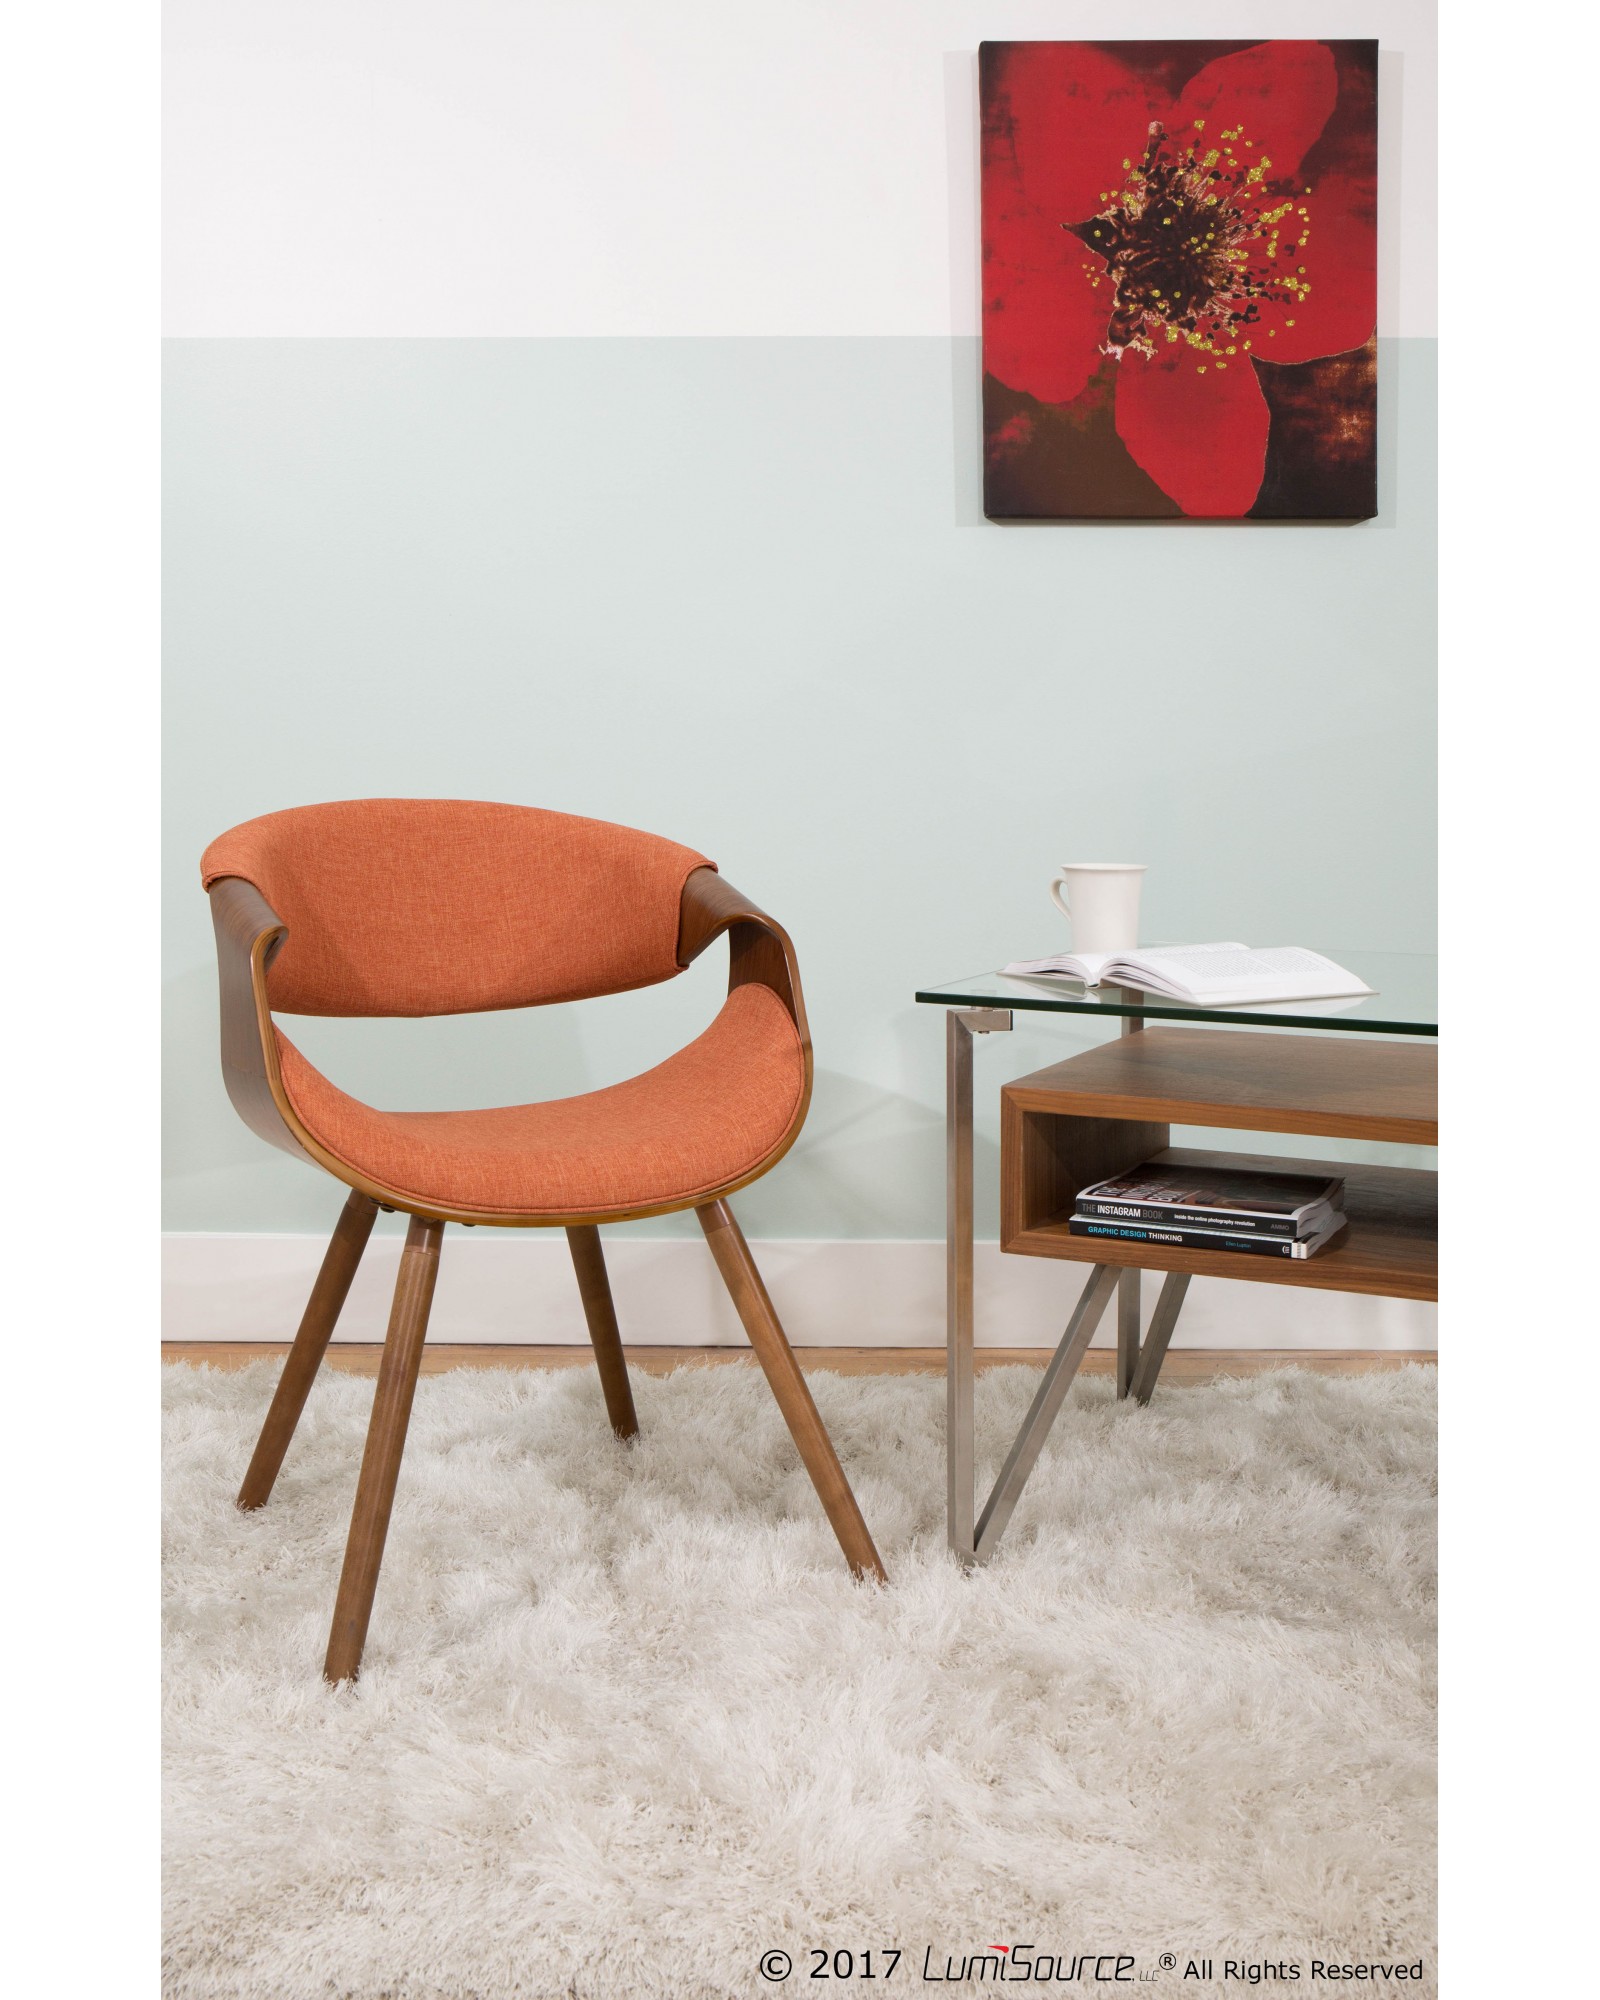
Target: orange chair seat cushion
(697, 1123)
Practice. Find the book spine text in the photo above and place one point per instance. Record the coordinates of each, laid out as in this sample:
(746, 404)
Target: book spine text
(1187, 1239)
(1165, 1213)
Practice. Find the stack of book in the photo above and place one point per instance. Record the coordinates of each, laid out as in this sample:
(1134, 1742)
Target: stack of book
(1267, 1214)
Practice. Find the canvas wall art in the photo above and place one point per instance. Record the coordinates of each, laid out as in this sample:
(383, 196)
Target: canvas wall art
(1179, 280)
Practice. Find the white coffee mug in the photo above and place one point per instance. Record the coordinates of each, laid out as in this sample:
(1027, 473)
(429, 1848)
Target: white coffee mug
(1100, 899)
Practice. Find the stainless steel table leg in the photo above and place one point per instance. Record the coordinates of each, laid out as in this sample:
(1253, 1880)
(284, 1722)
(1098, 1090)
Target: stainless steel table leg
(974, 1540)
(1128, 1291)
(1162, 1321)
(1127, 1332)
(1043, 1410)
(961, 1024)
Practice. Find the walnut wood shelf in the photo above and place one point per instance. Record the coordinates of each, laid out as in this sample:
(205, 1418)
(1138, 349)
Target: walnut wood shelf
(1111, 1109)
(1335, 1087)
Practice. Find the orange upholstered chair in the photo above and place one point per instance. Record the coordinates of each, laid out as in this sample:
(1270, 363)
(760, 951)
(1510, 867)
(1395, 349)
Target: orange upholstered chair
(445, 906)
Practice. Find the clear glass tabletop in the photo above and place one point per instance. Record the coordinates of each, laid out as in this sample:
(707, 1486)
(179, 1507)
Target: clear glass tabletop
(1405, 1001)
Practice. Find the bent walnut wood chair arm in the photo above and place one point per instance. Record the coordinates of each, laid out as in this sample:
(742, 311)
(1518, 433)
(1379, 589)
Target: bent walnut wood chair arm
(759, 950)
(250, 935)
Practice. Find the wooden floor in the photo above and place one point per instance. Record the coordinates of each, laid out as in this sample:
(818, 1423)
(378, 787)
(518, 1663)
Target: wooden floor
(1183, 1364)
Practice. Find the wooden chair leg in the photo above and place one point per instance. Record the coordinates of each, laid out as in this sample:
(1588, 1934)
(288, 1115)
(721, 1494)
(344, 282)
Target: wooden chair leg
(788, 1385)
(589, 1261)
(339, 1264)
(386, 1440)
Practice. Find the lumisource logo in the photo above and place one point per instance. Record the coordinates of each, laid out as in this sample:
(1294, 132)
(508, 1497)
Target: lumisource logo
(1005, 1964)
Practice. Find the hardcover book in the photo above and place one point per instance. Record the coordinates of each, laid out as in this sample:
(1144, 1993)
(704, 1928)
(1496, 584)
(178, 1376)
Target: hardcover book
(1213, 1239)
(1242, 1200)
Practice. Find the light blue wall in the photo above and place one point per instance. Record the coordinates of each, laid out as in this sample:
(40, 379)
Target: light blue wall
(740, 592)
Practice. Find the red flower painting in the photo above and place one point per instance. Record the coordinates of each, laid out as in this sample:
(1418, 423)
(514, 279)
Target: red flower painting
(1179, 279)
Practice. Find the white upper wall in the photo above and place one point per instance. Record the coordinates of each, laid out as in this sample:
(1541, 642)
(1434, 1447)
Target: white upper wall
(593, 167)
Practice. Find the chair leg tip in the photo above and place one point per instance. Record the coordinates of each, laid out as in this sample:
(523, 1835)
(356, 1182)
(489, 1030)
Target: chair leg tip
(341, 1664)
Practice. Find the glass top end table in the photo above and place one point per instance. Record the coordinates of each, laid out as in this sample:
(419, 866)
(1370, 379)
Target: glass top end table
(1354, 1086)
(1405, 1001)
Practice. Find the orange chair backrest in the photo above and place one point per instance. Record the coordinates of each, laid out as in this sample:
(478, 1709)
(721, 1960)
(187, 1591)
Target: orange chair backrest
(454, 906)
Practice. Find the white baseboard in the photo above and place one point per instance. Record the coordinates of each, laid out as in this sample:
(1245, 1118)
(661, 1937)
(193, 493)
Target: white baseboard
(514, 1286)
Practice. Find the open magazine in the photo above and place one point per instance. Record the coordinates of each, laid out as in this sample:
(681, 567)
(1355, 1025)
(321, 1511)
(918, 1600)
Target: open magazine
(1205, 975)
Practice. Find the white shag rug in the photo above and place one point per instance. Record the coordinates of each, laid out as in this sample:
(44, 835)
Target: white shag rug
(625, 1724)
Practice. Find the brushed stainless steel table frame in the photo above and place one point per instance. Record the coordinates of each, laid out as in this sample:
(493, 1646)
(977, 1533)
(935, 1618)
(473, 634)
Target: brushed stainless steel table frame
(974, 1536)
